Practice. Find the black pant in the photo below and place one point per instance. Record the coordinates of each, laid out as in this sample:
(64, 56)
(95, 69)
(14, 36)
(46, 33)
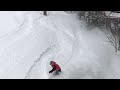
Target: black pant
(57, 72)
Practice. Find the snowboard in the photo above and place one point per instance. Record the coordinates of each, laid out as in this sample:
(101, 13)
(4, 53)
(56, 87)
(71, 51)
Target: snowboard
(54, 75)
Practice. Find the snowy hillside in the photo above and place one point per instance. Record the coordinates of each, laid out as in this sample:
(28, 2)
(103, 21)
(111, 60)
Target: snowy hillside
(29, 41)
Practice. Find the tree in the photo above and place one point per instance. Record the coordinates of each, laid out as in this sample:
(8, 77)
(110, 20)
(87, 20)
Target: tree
(111, 26)
(45, 13)
(113, 33)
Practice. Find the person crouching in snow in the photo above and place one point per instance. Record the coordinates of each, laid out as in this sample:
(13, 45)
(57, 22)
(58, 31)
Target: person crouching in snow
(55, 67)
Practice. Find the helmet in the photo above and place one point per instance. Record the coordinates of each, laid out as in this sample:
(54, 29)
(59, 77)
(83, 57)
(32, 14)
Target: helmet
(51, 62)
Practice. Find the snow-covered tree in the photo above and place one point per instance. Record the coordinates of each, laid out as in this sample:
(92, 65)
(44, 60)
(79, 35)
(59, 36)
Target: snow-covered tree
(100, 20)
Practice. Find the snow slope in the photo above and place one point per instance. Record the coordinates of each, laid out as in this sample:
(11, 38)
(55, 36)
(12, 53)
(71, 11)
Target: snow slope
(81, 53)
(33, 40)
(22, 46)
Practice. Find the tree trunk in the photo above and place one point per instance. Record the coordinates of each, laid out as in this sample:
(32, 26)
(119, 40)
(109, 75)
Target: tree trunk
(45, 13)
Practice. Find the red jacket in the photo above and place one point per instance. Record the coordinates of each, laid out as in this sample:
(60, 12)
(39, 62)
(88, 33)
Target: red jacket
(56, 65)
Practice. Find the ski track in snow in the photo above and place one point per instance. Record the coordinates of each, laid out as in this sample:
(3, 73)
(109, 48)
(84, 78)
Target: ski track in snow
(41, 65)
(37, 61)
(10, 38)
(12, 41)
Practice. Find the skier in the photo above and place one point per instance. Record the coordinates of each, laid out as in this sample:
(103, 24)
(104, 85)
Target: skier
(55, 67)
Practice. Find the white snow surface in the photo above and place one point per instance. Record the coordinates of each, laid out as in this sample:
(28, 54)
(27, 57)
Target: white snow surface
(29, 41)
